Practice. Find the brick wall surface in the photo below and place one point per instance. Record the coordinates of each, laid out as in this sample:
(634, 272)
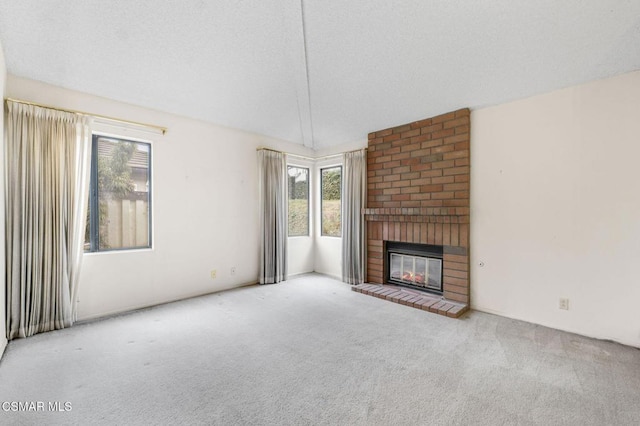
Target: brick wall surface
(418, 192)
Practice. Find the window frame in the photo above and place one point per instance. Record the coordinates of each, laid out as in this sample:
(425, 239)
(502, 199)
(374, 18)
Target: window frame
(93, 201)
(308, 169)
(321, 169)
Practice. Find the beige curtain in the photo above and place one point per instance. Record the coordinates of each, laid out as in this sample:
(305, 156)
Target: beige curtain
(354, 190)
(272, 173)
(47, 160)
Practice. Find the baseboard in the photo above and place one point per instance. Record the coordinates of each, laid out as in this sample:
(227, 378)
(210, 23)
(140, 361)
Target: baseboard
(335, 277)
(299, 274)
(582, 333)
(3, 346)
(134, 308)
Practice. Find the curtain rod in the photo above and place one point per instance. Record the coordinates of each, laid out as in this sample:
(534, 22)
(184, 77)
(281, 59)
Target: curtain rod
(104, 117)
(310, 158)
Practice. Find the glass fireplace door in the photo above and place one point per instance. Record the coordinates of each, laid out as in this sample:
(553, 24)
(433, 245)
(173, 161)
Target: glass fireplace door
(416, 271)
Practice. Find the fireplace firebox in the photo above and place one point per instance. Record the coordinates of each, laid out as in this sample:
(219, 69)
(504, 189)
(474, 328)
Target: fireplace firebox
(417, 266)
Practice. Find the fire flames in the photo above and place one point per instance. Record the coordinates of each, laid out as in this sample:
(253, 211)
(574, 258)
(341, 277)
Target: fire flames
(412, 277)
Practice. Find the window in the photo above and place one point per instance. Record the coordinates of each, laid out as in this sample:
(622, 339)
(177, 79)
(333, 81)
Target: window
(298, 201)
(120, 195)
(331, 193)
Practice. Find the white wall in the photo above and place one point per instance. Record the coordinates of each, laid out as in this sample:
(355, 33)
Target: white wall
(300, 250)
(205, 208)
(340, 149)
(556, 209)
(319, 254)
(328, 250)
(3, 323)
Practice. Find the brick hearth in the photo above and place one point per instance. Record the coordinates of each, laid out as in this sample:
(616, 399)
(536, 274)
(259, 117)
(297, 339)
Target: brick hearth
(413, 298)
(418, 192)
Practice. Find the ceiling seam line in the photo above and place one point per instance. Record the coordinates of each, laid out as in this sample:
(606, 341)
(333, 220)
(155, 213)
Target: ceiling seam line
(306, 69)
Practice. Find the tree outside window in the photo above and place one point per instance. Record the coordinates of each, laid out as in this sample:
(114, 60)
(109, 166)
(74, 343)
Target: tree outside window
(331, 203)
(119, 202)
(298, 195)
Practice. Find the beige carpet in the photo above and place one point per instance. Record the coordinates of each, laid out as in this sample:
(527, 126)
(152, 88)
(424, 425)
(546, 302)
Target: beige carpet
(311, 351)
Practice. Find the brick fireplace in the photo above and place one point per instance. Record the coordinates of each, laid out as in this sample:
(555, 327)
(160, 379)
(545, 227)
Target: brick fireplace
(418, 192)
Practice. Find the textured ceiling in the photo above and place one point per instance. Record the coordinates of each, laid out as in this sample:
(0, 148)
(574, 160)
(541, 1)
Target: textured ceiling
(322, 72)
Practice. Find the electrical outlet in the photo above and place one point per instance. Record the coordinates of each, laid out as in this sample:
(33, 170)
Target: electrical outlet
(563, 304)
(233, 270)
(214, 273)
